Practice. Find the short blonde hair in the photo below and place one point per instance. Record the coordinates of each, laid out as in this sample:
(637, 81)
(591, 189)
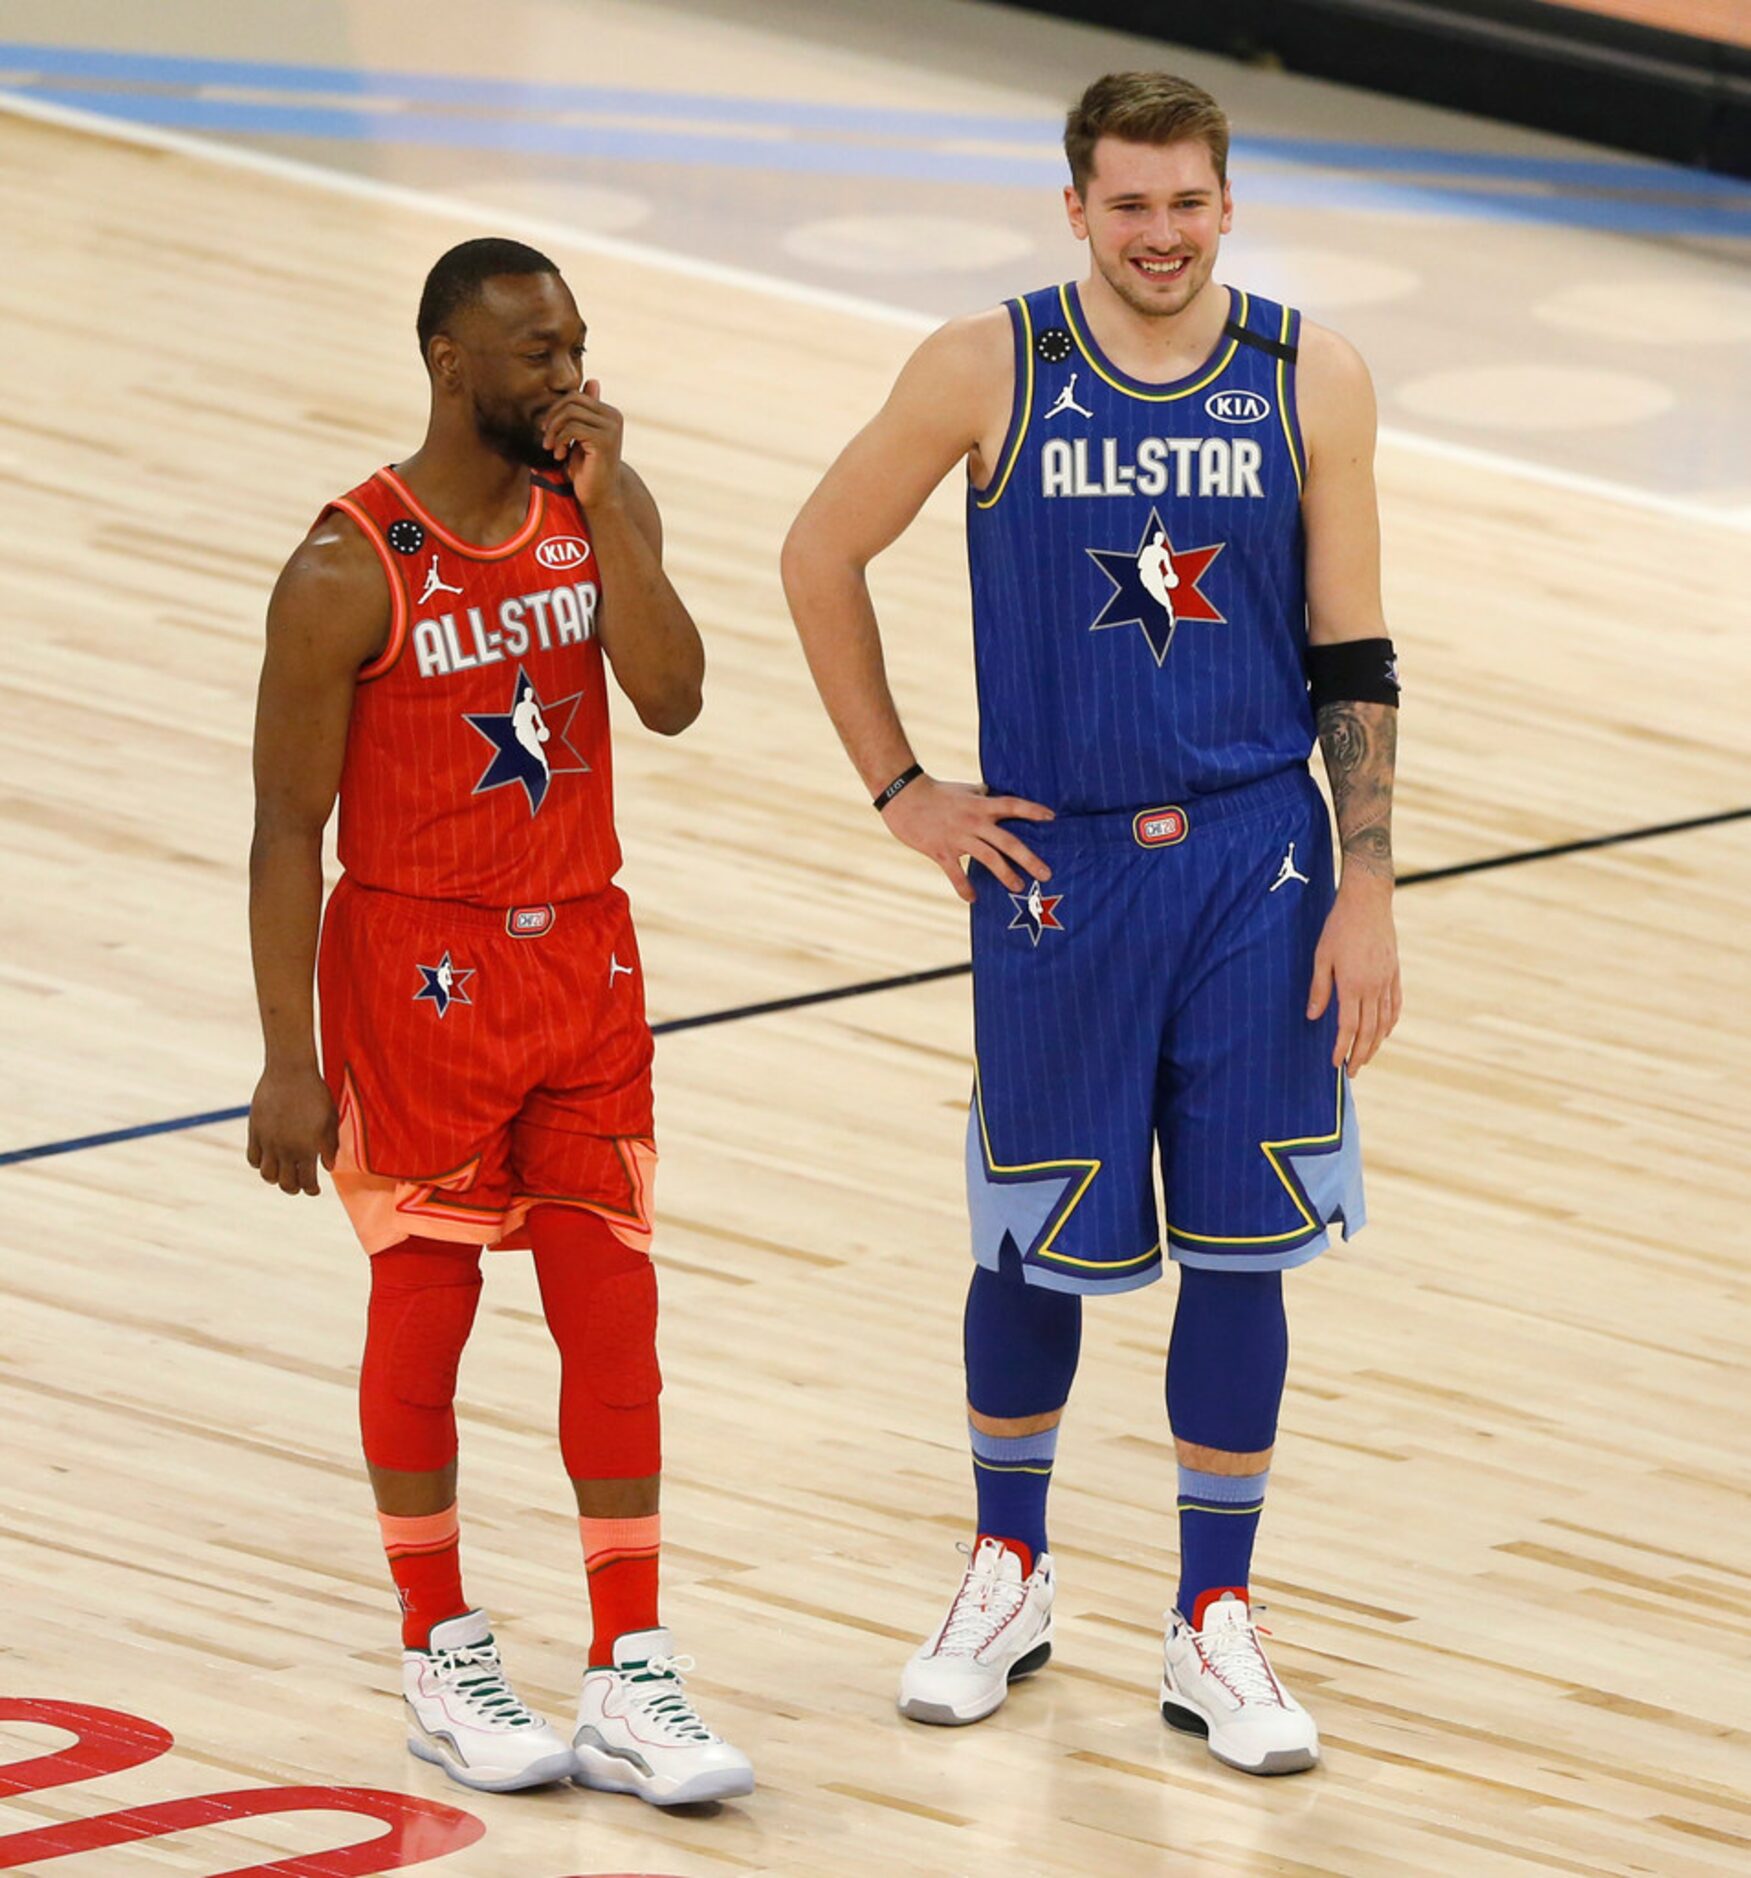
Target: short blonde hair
(1143, 107)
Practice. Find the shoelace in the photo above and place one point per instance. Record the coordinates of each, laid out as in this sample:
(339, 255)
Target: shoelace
(982, 1606)
(666, 1703)
(1235, 1654)
(487, 1693)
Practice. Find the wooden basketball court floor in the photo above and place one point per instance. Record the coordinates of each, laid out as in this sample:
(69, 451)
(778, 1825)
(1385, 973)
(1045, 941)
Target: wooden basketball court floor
(1504, 1553)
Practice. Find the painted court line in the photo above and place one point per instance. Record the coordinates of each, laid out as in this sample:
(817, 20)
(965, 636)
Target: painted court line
(930, 975)
(544, 229)
(1033, 135)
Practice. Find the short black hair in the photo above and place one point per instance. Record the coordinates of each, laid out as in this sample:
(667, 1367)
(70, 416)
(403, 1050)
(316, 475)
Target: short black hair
(456, 278)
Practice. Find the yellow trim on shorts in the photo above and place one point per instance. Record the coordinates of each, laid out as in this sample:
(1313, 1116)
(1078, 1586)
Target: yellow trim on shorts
(1271, 1150)
(1089, 1170)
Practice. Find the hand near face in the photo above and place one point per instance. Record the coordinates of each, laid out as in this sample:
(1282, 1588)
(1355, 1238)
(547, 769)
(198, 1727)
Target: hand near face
(584, 435)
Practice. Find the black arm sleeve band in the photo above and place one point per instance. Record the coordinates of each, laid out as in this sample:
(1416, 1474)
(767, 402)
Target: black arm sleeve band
(1354, 671)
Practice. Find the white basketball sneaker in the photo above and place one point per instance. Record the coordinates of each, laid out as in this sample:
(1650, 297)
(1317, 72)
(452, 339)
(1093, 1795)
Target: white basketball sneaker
(998, 1629)
(465, 1718)
(638, 1733)
(1216, 1681)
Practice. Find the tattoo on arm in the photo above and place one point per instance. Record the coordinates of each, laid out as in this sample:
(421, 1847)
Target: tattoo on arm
(1360, 743)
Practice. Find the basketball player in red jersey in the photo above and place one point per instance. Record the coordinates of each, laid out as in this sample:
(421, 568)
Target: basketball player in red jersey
(434, 656)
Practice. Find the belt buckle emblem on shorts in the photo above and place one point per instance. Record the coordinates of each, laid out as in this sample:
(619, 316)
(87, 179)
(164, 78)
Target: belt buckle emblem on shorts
(529, 922)
(1160, 828)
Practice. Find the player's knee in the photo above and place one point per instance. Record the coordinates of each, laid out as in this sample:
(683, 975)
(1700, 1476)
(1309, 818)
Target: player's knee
(1227, 1359)
(425, 1351)
(1022, 1343)
(616, 1354)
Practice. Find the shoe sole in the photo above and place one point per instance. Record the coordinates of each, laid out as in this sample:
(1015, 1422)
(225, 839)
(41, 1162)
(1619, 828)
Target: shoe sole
(543, 1773)
(1181, 1715)
(607, 1773)
(945, 1715)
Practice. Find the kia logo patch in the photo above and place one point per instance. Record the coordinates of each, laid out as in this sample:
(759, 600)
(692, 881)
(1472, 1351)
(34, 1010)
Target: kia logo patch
(1237, 407)
(563, 552)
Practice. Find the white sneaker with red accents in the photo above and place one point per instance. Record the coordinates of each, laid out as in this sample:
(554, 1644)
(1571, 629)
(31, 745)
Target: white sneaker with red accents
(1216, 1681)
(638, 1733)
(465, 1718)
(998, 1629)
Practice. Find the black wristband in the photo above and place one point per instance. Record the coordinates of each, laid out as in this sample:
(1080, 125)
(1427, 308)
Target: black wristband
(893, 789)
(1354, 671)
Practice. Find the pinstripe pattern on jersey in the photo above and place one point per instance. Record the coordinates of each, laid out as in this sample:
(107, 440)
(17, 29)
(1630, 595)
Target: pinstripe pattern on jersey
(425, 806)
(398, 607)
(1088, 718)
(1022, 327)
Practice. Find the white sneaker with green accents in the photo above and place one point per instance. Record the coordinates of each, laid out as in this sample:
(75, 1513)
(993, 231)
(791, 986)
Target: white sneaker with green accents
(465, 1718)
(638, 1733)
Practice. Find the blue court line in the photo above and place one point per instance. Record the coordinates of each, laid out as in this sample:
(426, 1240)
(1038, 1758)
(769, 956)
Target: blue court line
(797, 1001)
(113, 1135)
(480, 94)
(1287, 187)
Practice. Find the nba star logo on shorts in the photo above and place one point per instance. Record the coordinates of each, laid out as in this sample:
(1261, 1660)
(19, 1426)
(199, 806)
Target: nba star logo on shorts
(443, 984)
(1035, 912)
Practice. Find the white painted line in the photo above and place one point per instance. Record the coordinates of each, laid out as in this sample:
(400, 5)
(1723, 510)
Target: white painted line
(540, 228)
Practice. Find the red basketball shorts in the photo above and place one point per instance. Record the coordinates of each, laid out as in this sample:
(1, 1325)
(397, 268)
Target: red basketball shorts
(485, 1061)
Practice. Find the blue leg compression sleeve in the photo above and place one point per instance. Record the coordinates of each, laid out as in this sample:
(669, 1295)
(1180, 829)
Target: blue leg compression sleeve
(1225, 1368)
(1022, 1343)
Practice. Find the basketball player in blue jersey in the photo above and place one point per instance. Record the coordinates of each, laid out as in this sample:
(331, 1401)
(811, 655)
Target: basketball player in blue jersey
(1175, 560)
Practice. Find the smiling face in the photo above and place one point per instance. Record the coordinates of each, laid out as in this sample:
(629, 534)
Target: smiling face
(1153, 216)
(512, 353)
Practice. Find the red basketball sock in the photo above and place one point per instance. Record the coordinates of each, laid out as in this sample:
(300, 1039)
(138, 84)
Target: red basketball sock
(426, 1563)
(620, 1561)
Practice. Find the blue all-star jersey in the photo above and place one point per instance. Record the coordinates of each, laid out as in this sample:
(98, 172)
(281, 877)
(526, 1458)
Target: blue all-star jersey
(1139, 600)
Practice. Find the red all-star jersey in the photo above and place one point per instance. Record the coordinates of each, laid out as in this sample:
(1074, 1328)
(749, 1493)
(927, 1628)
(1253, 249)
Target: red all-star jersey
(477, 763)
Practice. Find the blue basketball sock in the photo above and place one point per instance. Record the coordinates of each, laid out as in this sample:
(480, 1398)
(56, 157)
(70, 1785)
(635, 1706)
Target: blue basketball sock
(1225, 1368)
(1218, 1521)
(1022, 1343)
(1012, 1474)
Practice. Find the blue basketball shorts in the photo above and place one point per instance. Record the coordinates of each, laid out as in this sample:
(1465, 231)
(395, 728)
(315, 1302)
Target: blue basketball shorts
(1151, 998)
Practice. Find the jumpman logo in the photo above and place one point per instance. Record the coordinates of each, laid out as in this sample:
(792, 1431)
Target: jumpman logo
(435, 583)
(1288, 871)
(1067, 401)
(614, 967)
